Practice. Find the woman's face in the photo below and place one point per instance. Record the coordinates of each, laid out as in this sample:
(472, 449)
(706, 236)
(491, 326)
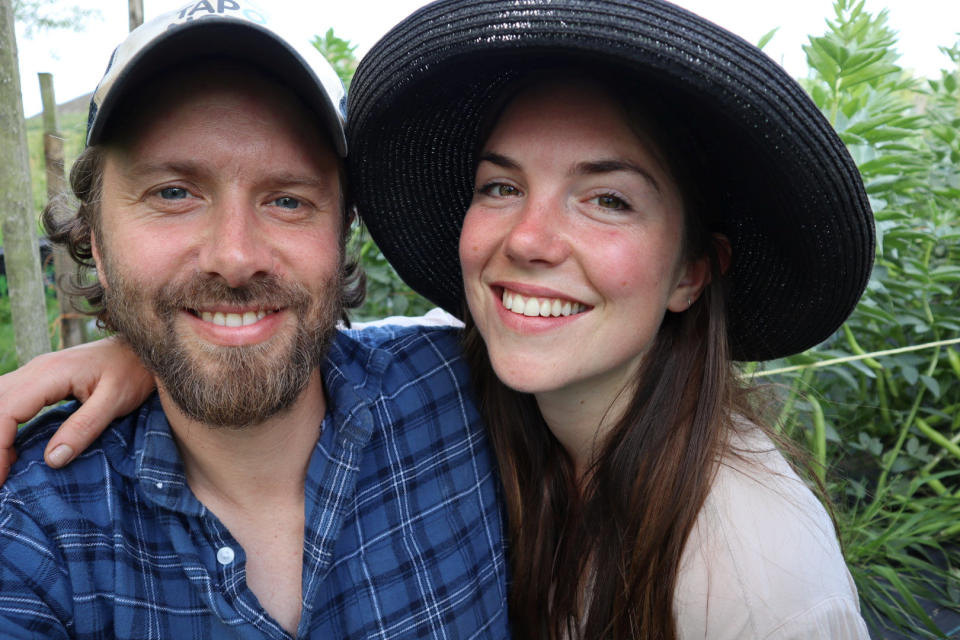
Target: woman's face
(572, 248)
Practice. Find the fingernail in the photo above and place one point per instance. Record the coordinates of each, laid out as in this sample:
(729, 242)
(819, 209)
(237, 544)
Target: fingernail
(60, 455)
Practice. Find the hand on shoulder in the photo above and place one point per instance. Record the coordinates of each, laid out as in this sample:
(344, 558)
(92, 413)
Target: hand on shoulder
(106, 376)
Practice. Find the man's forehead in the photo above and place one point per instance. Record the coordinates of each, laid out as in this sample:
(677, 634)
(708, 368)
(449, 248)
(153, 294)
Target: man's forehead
(207, 91)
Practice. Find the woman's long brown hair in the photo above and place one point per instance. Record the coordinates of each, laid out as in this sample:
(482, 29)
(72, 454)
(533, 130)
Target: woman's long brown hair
(600, 560)
(598, 556)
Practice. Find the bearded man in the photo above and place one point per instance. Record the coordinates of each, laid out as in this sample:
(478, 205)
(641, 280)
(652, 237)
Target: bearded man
(288, 479)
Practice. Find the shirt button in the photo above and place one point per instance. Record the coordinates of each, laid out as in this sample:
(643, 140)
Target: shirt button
(225, 555)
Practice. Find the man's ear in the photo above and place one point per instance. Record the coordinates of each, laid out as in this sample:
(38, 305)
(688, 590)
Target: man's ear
(697, 274)
(97, 260)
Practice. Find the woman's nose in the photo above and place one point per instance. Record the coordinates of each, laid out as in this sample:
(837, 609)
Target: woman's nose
(537, 234)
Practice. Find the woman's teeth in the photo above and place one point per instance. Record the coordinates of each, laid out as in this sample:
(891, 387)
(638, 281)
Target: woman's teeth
(234, 319)
(544, 307)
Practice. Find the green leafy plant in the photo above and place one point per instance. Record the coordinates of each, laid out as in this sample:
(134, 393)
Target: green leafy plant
(884, 415)
(387, 294)
(339, 53)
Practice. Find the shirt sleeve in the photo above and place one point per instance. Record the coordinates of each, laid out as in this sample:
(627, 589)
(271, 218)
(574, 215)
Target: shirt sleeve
(35, 594)
(762, 561)
(832, 619)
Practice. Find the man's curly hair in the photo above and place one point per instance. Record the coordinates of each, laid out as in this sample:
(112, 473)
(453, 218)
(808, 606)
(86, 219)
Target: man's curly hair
(74, 231)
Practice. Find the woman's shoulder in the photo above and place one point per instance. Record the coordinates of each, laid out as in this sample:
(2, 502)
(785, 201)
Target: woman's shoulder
(400, 334)
(763, 556)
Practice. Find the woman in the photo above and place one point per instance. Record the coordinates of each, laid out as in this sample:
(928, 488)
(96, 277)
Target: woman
(647, 198)
(643, 198)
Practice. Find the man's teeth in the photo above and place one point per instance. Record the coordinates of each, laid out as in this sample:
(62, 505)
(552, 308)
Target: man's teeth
(543, 307)
(234, 319)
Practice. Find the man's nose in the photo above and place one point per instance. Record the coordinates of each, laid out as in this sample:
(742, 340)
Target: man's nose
(235, 246)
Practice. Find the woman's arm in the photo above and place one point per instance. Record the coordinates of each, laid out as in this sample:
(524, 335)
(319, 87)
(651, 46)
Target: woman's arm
(105, 376)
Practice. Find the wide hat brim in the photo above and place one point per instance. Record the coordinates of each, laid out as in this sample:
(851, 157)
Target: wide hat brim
(785, 190)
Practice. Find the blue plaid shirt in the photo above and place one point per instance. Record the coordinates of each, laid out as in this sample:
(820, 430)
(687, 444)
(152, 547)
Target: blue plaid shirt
(403, 535)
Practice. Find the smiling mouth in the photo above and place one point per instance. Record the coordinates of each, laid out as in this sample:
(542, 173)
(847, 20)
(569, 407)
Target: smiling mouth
(222, 319)
(531, 306)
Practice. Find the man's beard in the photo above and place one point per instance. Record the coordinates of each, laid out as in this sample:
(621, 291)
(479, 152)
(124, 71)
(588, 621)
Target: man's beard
(218, 385)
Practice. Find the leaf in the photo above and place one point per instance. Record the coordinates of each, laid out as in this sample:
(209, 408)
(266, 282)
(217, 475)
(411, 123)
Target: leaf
(931, 384)
(946, 273)
(766, 38)
(910, 374)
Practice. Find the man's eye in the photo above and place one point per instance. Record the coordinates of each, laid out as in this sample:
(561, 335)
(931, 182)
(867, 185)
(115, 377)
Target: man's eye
(173, 193)
(286, 202)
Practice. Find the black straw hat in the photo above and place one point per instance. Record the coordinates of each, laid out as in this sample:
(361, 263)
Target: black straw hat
(782, 186)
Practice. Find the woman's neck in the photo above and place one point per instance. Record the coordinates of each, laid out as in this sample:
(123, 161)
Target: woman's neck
(581, 417)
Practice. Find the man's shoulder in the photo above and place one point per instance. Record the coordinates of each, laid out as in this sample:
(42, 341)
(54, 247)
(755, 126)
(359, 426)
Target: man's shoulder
(32, 440)
(395, 355)
(414, 375)
(30, 475)
(44, 512)
(400, 335)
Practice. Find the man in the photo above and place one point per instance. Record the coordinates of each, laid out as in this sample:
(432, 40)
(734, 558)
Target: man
(288, 479)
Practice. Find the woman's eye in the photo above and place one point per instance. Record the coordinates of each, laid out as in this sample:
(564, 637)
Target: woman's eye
(173, 193)
(610, 201)
(499, 190)
(286, 202)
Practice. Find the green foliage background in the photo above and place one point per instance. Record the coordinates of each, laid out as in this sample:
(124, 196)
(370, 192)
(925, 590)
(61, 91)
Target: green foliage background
(884, 429)
(387, 295)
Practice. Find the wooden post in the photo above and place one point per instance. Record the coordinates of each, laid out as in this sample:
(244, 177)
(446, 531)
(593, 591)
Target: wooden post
(136, 13)
(21, 253)
(71, 326)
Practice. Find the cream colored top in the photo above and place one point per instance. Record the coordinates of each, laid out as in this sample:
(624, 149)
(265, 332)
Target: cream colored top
(763, 561)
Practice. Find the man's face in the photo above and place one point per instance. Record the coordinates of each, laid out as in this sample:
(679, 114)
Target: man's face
(219, 245)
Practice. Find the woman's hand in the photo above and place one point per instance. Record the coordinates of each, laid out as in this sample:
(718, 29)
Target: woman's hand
(104, 375)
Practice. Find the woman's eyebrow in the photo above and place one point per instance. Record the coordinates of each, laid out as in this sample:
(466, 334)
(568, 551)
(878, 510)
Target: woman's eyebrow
(499, 160)
(612, 166)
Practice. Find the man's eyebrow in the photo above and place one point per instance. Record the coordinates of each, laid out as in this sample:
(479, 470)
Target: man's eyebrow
(186, 168)
(193, 169)
(499, 160)
(612, 166)
(295, 180)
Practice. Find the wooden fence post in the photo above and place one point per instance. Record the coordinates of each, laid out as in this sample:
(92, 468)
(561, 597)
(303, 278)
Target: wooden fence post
(71, 326)
(136, 13)
(21, 253)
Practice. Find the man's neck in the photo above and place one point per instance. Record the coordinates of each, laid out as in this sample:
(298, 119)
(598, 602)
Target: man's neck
(252, 479)
(247, 465)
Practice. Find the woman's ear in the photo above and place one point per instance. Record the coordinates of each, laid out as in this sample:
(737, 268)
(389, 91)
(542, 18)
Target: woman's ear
(697, 273)
(721, 245)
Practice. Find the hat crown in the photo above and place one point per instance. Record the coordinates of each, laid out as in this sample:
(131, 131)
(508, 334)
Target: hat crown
(232, 28)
